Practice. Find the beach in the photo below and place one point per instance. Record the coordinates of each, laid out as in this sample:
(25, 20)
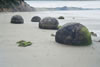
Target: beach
(44, 51)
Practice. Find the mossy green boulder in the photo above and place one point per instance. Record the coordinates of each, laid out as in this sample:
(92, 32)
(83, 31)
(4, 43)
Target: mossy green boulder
(23, 43)
(73, 34)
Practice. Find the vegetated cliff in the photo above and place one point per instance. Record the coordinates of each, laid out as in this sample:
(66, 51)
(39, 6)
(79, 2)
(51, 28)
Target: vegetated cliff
(15, 6)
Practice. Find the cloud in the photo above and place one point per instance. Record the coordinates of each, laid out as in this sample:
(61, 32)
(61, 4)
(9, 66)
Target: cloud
(62, 0)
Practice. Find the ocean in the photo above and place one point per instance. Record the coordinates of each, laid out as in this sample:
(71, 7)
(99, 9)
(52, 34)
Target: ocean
(83, 4)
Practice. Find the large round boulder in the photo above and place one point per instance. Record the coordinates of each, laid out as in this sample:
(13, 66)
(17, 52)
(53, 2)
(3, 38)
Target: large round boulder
(36, 19)
(48, 23)
(73, 34)
(17, 19)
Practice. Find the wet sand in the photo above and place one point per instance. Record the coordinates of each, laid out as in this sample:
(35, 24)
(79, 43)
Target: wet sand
(44, 52)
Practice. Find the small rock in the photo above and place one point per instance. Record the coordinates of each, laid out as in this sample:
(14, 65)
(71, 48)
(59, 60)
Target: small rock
(59, 26)
(36, 19)
(53, 35)
(93, 34)
(61, 17)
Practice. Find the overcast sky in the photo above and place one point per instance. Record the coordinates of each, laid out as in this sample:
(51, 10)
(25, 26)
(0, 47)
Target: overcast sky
(62, 0)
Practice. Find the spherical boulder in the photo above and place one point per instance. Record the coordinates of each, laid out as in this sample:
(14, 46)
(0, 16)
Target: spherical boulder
(36, 19)
(61, 17)
(49, 23)
(73, 34)
(17, 19)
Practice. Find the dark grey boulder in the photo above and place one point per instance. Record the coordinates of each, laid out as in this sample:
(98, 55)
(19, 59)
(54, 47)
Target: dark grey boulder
(49, 23)
(17, 19)
(36, 19)
(73, 34)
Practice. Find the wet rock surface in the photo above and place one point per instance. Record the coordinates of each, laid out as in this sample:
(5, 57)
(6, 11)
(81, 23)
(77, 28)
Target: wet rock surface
(48, 23)
(17, 19)
(73, 34)
(60, 17)
(36, 19)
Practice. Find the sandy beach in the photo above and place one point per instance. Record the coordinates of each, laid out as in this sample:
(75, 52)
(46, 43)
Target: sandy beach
(45, 52)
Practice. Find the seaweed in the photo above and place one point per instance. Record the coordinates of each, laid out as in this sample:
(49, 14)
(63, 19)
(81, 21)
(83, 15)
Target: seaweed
(23, 43)
(87, 36)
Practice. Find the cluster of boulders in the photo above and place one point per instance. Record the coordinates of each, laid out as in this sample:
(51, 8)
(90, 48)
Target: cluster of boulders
(17, 19)
(70, 33)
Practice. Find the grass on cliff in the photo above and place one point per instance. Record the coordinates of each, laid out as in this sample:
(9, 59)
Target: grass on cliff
(8, 3)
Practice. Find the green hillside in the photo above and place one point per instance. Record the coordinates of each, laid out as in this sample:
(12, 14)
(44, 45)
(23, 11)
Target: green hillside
(14, 5)
(9, 3)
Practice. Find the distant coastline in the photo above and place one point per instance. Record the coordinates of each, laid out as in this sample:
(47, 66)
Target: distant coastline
(65, 8)
(54, 4)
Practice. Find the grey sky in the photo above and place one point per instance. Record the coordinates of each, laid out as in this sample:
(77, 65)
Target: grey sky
(62, 0)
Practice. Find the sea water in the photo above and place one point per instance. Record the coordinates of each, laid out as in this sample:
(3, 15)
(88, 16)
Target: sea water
(83, 4)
